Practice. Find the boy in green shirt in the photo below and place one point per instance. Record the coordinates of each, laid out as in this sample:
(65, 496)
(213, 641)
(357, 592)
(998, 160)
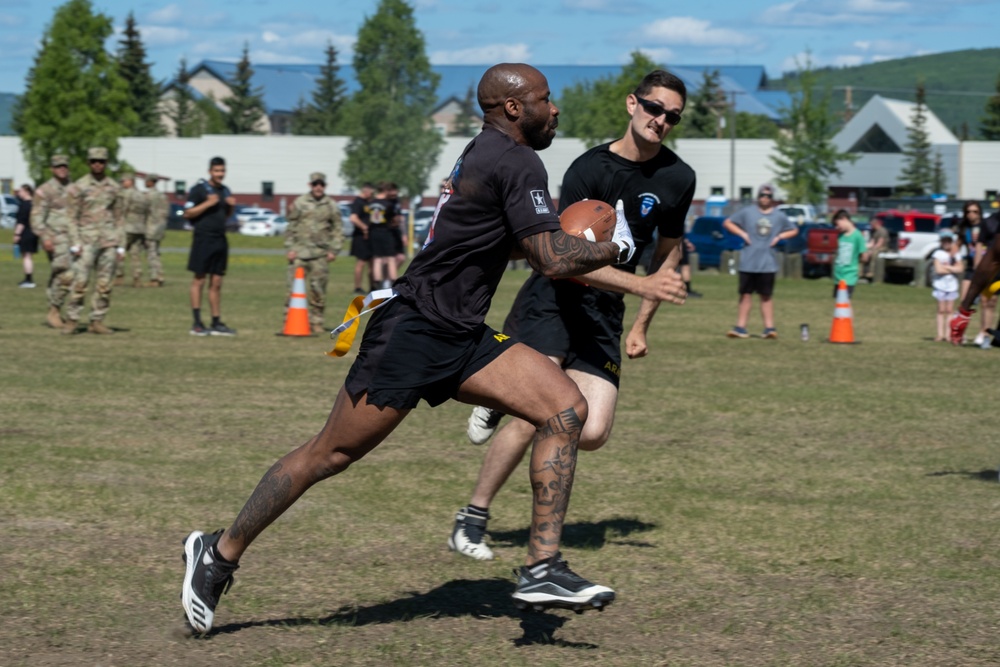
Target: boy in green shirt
(851, 251)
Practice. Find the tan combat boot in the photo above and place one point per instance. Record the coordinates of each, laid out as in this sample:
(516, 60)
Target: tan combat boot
(98, 327)
(119, 281)
(69, 328)
(155, 283)
(137, 282)
(54, 319)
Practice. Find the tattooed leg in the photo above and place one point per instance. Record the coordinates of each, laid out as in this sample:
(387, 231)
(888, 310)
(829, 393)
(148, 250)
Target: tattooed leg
(553, 464)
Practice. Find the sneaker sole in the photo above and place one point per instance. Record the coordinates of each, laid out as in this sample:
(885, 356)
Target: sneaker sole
(733, 334)
(541, 602)
(220, 333)
(197, 333)
(199, 616)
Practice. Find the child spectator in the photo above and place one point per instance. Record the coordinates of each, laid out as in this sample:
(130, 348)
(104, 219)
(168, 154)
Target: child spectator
(948, 266)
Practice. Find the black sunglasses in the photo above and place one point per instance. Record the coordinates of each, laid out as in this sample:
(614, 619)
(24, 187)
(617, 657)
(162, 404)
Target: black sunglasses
(318, 183)
(655, 110)
(100, 161)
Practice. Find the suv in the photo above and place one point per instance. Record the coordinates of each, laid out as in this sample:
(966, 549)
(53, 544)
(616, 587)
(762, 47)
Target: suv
(711, 239)
(913, 237)
(9, 205)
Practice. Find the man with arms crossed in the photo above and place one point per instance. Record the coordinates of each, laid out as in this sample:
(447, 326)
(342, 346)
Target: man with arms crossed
(430, 341)
(579, 323)
(208, 206)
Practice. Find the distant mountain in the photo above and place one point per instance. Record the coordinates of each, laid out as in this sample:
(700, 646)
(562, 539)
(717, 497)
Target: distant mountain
(958, 83)
(6, 112)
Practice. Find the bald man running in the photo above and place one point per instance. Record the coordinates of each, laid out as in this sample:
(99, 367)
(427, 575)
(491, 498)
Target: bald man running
(430, 342)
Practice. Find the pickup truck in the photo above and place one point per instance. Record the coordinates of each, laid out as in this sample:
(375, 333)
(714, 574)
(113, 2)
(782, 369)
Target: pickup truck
(821, 247)
(913, 237)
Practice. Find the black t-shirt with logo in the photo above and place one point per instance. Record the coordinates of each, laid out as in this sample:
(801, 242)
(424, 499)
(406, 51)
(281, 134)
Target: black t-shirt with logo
(212, 221)
(498, 195)
(988, 230)
(656, 194)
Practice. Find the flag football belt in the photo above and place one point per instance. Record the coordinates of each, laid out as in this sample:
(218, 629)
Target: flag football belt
(346, 332)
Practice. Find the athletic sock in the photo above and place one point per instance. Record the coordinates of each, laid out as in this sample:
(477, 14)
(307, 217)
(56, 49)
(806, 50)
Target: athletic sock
(215, 321)
(197, 315)
(219, 557)
(687, 285)
(479, 511)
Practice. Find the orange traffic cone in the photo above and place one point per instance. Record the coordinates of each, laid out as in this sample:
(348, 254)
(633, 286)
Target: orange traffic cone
(297, 317)
(842, 330)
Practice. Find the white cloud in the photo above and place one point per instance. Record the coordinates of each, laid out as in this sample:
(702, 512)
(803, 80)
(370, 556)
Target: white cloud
(661, 55)
(848, 61)
(11, 21)
(821, 13)
(276, 58)
(487, 53)
(690, 31)
(270, 37)
(165, 15)
(155, 36)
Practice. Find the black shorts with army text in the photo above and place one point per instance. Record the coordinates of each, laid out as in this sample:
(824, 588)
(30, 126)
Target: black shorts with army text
(403, 358)
(569, 320)
(209, 255)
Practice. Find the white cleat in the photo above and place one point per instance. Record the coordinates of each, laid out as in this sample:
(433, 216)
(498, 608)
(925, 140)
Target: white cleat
(483, 424)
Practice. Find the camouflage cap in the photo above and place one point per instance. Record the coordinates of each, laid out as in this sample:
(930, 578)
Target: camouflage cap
(97, 153)
(59, 161)
(317, 176)
(127, 176)
(152, 177)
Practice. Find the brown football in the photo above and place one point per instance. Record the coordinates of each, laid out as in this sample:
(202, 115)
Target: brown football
(591, 219)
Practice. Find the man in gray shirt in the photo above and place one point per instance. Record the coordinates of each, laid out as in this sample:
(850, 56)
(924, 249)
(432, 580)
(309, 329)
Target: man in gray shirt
(761, 227)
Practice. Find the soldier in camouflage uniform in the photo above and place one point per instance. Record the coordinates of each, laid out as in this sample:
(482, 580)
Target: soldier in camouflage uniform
(50, 220)
(97, 240)
(157, 209)
(134, 213)
(313, 238)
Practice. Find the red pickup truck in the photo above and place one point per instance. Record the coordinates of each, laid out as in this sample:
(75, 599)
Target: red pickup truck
(821, 249)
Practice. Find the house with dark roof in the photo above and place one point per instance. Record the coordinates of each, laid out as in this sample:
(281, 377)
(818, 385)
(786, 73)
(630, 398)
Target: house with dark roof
(285, 86)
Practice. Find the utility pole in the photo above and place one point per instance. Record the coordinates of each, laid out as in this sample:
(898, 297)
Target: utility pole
(732, 145)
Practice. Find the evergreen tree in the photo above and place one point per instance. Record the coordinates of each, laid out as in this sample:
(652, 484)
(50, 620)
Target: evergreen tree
(939, 180)
(74, 95)
(324, 115)
(917, 174)
(245, 104)
(805, 157)
(182, 110)
(755, 126)
(595, 111)
(704, 109)
(464, 125)
(144, 93)
(391, 136)
(990, 124)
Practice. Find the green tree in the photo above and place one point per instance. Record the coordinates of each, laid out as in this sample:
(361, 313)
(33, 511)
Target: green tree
(755, 126)
(144, 92)
(391, 135)
(595, 110)
(704, 109)
(245, 105)
(74, 96)
(463, 125)
(939, 180)
(182, 110)
(990, 124)
(917, 174)
(805, 158)
(324, 115)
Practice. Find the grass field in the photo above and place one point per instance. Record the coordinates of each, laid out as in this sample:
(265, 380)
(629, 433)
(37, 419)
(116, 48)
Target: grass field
(760, 503)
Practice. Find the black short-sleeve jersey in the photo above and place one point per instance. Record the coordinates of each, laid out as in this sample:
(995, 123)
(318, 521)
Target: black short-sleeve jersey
(988, 230)
(360, 208)
(656, 193)
(498, 195)
(212, 222)
(382, 211)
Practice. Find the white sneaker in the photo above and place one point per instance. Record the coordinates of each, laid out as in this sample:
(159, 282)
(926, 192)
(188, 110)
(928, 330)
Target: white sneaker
(978, 340)
(483, 424)
(468, 537)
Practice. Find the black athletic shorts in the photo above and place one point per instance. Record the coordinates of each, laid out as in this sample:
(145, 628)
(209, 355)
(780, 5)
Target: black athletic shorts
(382, 240)
(209, 255)
(361, 248)
(568, 320)
(397, 241)
(761, 283)
(28, 242)
(404, 357)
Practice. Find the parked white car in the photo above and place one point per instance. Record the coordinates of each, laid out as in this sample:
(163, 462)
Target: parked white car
(9, 204)
(264, 225)
(799, 214)
(244, 213)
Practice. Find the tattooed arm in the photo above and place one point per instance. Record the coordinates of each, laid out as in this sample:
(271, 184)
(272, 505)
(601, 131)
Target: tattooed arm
(559, 255)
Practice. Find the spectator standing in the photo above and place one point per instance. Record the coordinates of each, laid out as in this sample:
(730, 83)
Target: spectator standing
(851, 251)
(50, 220)
(948, 266)
(761, 226)
(157, 211)
(970, 236)
(384, 222)
(97, 241)
(209, 205)
(25, 237)
(135, 212)
(361, 247)
(313, 238)
(877, 243)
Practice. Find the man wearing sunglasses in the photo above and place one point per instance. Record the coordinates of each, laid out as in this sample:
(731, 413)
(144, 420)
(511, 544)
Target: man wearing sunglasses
(761, 227)
(314, 236)
(97, 241)
(578, 323)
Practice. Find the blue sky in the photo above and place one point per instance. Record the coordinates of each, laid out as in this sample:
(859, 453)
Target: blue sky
(603, 32)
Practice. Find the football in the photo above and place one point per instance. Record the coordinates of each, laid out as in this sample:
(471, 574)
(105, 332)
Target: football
(591, 219)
